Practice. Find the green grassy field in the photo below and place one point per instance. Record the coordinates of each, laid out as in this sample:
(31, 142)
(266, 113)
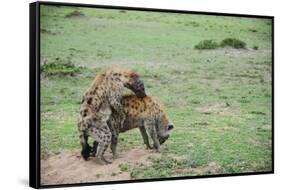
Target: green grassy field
(219, 99)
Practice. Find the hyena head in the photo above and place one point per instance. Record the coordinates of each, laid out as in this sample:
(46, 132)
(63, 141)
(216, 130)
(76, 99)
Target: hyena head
(131, 80)
(136, 85)
(164, 127)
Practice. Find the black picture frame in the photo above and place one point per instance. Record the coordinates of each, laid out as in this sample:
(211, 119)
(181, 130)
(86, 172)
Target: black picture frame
(34, 98)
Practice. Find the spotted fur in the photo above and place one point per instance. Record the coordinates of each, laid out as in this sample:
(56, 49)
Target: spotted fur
(147, 114)
(99, 101)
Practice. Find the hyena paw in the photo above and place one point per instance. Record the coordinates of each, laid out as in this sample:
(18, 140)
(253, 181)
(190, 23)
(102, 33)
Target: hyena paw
(103, 161)
(85, 154)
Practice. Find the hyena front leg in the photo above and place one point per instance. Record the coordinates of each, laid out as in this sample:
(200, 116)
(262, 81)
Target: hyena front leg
(145, 137)
(153, 134)
(118, 109)
(114, 142)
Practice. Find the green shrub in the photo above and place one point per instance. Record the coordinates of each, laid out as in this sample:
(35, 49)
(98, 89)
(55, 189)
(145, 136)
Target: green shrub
(255, 47)
(60, 67)
(253, 30)
(46, 31)
(75, 13)
(207, 44)
(233, 42)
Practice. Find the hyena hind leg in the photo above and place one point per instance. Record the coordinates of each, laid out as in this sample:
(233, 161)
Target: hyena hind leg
(102, 141)
(94, 148)
(100, 154)
(85, 152)
(114, 124)
(114, 142)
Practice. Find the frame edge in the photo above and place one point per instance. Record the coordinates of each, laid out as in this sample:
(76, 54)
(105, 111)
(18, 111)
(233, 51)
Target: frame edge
(34, 175)
(34, 131)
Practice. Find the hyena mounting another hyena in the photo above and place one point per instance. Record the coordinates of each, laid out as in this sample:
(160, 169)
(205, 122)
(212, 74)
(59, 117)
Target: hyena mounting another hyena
(147, 114)
(103, 97)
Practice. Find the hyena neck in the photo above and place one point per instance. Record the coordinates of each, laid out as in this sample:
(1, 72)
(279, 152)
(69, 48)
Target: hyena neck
(99, 94)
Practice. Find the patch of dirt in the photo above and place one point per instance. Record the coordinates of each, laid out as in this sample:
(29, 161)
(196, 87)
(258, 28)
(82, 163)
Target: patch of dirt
(69, 167)
(243, 52)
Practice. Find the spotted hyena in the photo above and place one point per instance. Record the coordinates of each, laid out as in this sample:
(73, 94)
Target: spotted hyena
(147, 114)
(99, 101)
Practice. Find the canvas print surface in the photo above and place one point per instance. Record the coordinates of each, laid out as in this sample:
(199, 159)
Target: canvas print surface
(129, 95)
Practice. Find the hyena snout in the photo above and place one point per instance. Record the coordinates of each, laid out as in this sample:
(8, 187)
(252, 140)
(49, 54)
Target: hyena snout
(166, 134)
(163, 139)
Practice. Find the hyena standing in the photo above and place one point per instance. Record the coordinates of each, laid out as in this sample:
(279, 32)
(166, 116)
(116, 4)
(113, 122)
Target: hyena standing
(104, 96)
(147, 114)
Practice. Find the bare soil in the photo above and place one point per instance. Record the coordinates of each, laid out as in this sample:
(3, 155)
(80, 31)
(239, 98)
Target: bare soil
(69, 167)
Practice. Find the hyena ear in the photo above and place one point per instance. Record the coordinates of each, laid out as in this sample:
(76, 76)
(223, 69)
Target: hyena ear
(134, 75)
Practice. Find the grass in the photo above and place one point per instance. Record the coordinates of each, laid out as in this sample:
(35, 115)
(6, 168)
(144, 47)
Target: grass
(219, 100)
